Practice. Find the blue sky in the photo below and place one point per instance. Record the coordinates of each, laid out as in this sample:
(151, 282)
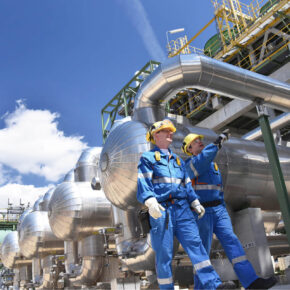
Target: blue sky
(61, 63)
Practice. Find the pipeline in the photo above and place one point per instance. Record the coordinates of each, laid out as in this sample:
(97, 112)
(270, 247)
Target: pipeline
(208, 74)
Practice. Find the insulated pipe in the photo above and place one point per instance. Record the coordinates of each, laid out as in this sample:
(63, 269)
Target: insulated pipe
(208, 74)
(136, 253)
(71, 254)
(275, 124)
(145, 260)
(93, 261)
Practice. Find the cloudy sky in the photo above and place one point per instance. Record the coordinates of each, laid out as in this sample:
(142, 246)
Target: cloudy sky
(61, 63)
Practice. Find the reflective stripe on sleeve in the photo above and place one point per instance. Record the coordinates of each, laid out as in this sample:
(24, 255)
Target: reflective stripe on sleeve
(145, 175)
(167, 180)
(239, 259)
(193, 169)
(187, 180)
(201, 265)
(164, 281)
(208, 186)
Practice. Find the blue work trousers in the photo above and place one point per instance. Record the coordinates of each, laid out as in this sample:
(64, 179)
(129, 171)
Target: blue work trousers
(216, 220)
(178, 220)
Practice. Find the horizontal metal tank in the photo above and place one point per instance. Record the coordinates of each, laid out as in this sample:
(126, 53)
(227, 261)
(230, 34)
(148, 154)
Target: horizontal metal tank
(10, 250)
(35, 235)
(76, 210)
(244, 165)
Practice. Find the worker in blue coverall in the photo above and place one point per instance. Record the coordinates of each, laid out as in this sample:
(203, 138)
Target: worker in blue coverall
(207, 183)
(164, 187)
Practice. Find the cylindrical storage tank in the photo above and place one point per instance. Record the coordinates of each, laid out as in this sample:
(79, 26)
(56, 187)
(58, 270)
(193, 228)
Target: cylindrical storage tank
(118, 163)
(70, 176)
(43, 204)
(35, 236)
(87, 165)
(3, 234)
(37, 202)
(10, 250)
(76, 210)
(23, 215)
(244, 166)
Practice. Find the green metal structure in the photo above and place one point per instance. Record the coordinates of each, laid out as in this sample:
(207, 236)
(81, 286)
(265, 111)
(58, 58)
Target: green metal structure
(278, 177)
(6, 225)
(123, 102)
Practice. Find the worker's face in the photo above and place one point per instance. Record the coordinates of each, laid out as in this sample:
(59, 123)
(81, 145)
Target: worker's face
(196, 146)
(163, 138)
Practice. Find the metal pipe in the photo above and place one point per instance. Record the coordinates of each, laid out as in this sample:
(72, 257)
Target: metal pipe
(275, 124)
(145, 260)
(71, 256)
(93, 261)
(135, 253)
(90, 272)
(208, 74)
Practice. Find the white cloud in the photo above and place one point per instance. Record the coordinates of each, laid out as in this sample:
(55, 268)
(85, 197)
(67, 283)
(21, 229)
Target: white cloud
(140, 20)
(15, 192)
(7, 176)
(32, 143)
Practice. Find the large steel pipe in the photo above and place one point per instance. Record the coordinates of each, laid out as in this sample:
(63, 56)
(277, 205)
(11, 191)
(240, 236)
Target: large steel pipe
(92, 262)
(208, 74)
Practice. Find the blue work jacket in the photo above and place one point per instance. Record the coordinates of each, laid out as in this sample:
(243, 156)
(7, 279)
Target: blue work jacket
(205, 175)
(164, 179)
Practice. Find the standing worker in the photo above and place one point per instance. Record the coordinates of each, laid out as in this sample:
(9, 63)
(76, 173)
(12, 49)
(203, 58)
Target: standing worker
(207, 182)
(164, 187)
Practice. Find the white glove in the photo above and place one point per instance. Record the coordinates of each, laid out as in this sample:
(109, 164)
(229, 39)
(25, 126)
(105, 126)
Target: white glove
(154, 207)
(198, 208)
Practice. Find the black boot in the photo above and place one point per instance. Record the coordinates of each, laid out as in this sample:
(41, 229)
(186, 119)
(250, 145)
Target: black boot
(262, 283)
(227, 285)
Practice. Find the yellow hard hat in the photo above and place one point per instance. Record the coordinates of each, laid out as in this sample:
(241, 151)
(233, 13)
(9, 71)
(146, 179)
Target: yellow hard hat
(158, 126)
(187, 141)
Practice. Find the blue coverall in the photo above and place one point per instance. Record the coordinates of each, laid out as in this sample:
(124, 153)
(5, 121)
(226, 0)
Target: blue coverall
(168, 182)
(207, 183)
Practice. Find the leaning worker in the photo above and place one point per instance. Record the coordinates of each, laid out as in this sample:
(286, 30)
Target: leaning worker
(164, 187)
(207, 183)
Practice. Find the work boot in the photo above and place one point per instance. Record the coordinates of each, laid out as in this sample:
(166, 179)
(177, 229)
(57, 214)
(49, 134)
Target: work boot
(227, 285)
(262, 283)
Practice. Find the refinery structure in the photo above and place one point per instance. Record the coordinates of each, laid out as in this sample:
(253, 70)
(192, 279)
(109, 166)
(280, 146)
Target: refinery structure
(85, 233)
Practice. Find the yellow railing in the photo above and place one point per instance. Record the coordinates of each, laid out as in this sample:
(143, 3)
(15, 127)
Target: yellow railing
(256, 52)
(178, 45)
(244, 63)
(241, 16)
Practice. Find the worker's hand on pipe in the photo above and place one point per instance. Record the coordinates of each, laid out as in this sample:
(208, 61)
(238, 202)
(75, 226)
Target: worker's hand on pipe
(224, 136)
(154, 207)
(198, 208)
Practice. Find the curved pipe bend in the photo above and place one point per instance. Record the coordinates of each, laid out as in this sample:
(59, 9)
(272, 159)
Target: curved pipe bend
(145, 260)
(90, 272)
(208, 74)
